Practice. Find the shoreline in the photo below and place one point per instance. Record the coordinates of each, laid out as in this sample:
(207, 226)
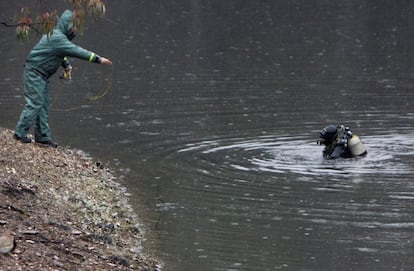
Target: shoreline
(65, 212)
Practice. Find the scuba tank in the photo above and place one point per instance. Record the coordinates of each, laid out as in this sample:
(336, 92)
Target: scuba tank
(356, 146)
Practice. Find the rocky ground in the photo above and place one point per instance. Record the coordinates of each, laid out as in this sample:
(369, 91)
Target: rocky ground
(64, 212)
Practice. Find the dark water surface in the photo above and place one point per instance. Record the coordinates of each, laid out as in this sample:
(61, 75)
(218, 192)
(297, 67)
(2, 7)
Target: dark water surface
(212, 116)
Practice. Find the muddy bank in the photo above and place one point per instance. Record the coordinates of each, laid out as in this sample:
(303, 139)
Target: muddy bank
(64, 212)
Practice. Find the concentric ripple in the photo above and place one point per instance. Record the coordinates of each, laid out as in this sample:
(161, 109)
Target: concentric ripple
(274, 197)
(282, 154)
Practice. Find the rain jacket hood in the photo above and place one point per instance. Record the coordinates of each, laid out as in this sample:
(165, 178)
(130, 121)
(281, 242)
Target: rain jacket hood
(65, 23)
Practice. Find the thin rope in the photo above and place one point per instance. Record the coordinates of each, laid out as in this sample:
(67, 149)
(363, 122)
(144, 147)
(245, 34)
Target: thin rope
(105, 90)
(100, 94)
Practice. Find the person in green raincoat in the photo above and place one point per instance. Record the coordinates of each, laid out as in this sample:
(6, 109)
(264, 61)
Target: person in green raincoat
(43, 61)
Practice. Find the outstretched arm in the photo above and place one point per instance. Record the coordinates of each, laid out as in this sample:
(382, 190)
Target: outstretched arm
(67, 48)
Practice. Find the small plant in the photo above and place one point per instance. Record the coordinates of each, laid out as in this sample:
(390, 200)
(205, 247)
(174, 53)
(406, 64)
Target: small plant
(23, 28)
(96, 9)
(93, 8)
(45, 22)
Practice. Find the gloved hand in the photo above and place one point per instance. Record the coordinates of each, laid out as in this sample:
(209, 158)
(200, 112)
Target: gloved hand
(67, 74)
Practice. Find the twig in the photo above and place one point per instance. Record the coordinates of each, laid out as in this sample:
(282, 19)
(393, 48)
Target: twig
(6, 24)
(32, 26)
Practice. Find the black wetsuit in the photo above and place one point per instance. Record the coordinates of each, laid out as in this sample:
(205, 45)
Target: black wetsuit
(337, 150)
(335, 139)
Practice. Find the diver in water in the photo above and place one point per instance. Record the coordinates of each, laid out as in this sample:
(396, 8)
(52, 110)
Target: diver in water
(339, 142)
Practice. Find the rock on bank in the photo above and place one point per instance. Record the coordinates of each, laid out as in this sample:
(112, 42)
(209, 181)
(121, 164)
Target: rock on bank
(64, 212)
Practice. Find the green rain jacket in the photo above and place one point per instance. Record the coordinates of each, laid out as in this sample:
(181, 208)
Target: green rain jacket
(49, 53)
